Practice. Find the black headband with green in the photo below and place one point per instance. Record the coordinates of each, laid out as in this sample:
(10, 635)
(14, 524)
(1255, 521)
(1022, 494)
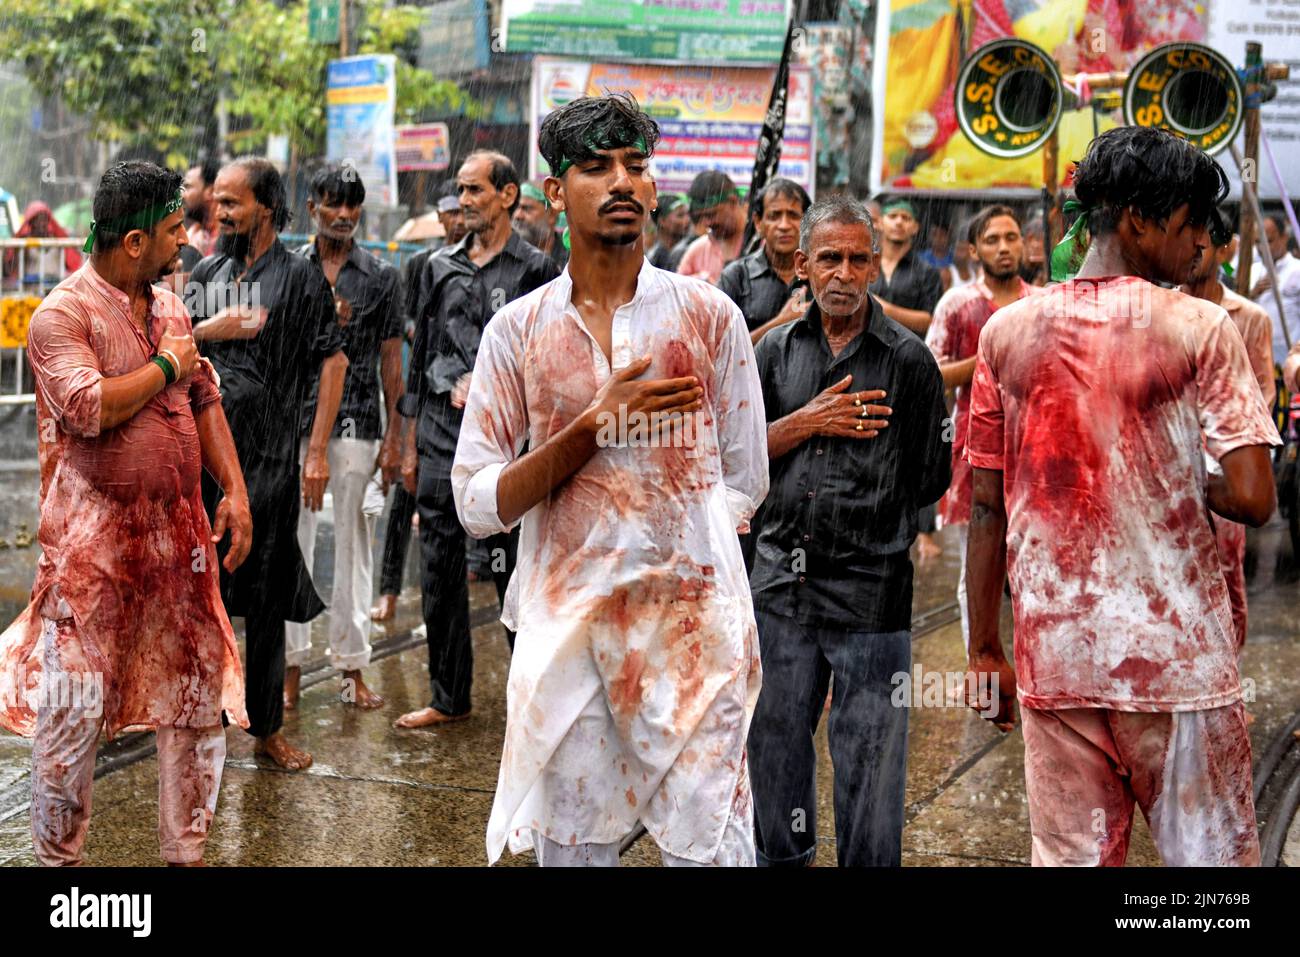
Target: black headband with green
(145, 218)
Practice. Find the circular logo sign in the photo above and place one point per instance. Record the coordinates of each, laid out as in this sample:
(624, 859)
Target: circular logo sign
(1008, 98)
(920, 129)
(1188, 89)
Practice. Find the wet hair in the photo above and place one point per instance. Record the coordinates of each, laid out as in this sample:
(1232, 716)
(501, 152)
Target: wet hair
(338, 184)
(578, 131)
(837, 209)
(501, 173)
(667, 203)
(1279, 221)
(709, 189)
(1149, 170)
(267, 186)
(1220, 229)
(126, 189)
(980, 221)
(784, 188)
(208, 169)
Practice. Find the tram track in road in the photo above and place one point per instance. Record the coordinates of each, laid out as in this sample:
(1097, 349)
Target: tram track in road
(128, 749)
(1277, 792)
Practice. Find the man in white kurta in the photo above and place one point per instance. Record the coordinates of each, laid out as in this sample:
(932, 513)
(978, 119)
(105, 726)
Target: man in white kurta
(635, 670)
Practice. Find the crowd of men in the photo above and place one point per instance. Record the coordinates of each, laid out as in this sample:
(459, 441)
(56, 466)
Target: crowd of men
(679, 601)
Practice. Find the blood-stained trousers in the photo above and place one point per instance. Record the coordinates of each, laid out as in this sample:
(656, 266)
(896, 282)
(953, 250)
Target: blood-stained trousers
(1188, 771)
(190, 761)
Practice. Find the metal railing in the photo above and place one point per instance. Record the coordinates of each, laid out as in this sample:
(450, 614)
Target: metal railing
(29, 268)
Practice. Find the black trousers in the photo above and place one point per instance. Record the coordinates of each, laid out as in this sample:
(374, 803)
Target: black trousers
(397, 539)
(264, 674)
(445, 592)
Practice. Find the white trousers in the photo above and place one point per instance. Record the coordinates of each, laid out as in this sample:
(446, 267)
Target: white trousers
(736, 850)
(351, 462)
(190, 761)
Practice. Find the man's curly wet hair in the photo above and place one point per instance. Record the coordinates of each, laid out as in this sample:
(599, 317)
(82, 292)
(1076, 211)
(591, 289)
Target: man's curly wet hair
(1150, 170)
(577, 131)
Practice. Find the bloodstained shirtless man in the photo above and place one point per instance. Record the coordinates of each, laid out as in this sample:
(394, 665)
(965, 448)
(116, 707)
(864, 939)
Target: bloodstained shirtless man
(126, 588)
(1093, 405)
(635, 670)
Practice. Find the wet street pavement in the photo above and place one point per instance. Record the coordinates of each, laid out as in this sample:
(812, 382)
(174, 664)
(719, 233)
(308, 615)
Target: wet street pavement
(379, 796)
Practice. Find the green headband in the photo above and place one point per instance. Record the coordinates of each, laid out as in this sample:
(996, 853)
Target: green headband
(144, 219)
(1067, 255)
(530, 191)
(902, 204)
(566, 161)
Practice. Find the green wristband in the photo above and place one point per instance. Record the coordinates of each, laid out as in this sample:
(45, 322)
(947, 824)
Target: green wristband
(169, 373)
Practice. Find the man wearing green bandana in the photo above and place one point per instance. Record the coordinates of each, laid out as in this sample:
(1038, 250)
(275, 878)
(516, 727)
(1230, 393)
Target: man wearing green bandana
(535, 221)
(126, 608)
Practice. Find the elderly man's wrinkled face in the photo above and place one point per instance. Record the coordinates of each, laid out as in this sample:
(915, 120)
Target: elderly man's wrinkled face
(839, 266)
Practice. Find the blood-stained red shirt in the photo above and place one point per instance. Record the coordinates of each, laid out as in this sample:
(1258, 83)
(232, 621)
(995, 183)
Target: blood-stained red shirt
(125, 542)
(1096, 399)
(955, 335)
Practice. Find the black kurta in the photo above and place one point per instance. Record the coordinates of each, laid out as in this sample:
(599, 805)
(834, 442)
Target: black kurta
(264, 383)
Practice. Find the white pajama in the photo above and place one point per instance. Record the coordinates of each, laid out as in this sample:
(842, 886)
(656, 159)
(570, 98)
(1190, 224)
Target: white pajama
(351, 464)
(190, 762)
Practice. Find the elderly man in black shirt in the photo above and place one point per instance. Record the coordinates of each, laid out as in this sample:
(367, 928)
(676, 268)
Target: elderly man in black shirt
(763, 283)
(368, 303)
(459, 290)
(858, 444)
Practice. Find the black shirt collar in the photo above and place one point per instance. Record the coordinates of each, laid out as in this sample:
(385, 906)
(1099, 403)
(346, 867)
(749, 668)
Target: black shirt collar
(356, 256)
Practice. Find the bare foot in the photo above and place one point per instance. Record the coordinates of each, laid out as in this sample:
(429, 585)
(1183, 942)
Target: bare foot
(282, 753)
(356, 693)
(927, 548)
(291, 678)
(384, 609)
(425, 717)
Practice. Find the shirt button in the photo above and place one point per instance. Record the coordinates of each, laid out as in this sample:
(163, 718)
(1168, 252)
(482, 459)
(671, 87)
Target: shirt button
(819, 451)
(807, 538)
(802, 579)
(810, 494)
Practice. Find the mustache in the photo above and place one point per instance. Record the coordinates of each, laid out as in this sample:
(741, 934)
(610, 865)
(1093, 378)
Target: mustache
(620, 201)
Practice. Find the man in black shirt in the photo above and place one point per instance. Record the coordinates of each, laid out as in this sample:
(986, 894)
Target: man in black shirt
(763, 283)
(832, 580)
(368, 303)
(460, 288)
(672, 219)
(907, 288)
(270, 328)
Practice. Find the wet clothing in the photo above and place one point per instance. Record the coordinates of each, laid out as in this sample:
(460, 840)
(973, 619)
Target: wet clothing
(1095, 398)
(867, 734)
(190, 762)
(1256, 333)
(1188, 771)
(661, 256)
(126, 561)
(636, 665)
(849, 506)
(373, 288)
(915, 284)
(265, 383)
(708, 256)
(456, 300)
(955, 335)
(397, 540)
(755, 287)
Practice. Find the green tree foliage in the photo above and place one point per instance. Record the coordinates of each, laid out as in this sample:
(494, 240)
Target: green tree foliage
(152, 70)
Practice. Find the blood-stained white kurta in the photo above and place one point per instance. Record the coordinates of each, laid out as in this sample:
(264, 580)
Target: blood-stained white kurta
(635, 670)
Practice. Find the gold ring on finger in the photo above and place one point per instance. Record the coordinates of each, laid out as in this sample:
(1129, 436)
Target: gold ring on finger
(860, 427)
(857, 401)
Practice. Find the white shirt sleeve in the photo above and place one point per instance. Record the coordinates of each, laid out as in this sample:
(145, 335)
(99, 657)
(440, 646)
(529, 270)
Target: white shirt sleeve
(493, 429)
(741, 421)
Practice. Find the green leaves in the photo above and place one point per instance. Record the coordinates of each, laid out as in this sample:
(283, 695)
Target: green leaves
(153, 70)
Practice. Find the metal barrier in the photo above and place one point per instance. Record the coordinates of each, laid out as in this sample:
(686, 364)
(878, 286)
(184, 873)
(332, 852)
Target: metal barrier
(29, 268)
